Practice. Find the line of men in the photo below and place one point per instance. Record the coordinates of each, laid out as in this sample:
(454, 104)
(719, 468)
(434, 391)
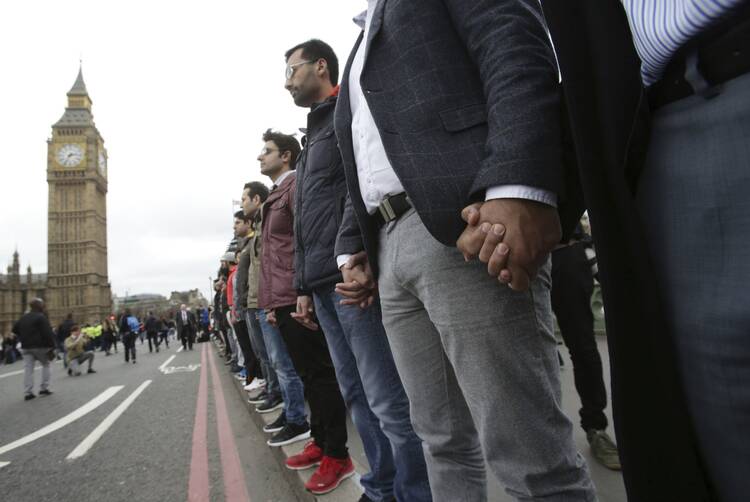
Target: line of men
(449, 163)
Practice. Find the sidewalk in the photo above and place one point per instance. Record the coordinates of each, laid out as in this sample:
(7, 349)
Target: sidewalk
(609, 484)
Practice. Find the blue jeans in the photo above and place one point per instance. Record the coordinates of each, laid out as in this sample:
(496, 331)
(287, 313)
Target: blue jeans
(259, 346)
(375, 398)
(292, 390)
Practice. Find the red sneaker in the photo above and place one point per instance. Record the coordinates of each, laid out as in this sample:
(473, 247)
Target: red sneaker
(311, 456)
(330, 474)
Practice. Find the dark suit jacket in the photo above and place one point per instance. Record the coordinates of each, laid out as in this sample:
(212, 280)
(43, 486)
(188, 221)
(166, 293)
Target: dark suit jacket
(191, 324)
(607, 118)
(465, 96)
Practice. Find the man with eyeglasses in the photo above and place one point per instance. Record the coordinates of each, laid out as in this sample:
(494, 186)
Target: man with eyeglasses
(302, 336)
(445, 104)
(356, 337)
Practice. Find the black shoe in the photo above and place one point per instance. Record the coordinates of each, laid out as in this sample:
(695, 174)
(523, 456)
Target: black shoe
(91, 370)
(70, 371)
(276, 425)
(45, 392)
(269, 405)
(259, 399)
(291, 433)
(133, 361)
(28, 397)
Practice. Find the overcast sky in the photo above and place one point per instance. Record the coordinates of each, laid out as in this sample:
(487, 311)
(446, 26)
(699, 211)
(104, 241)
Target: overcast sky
(182, 92)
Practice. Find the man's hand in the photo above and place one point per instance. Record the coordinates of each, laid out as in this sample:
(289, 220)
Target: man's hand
(359, 287)
(513, 236)
(271, 317)
(304, 314)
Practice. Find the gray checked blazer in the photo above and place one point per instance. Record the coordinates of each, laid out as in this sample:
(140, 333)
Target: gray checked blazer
(465, 95)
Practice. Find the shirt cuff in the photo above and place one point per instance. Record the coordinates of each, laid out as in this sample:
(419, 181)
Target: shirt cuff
(342, 259)
(521, 192)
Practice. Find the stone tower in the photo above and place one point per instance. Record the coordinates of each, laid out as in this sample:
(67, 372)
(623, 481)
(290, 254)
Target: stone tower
(77, 223)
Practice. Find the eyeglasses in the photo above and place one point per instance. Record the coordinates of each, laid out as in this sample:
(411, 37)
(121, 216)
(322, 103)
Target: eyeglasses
(267, 150)
(290, 68)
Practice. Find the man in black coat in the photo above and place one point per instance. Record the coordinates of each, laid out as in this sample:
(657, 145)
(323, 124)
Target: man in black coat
(608, 122)
(444, 104)
(186, 327)
(152, 327)
(37, 342)
(356, 339)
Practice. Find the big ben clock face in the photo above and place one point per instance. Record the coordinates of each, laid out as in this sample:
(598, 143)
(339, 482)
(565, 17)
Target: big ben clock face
(102, 162)
(69, 155)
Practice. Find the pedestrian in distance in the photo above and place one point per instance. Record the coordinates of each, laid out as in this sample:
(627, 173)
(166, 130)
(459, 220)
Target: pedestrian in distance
(76, 353)
(186, 327)
(152, 327)
(129, 326)
(38, 344)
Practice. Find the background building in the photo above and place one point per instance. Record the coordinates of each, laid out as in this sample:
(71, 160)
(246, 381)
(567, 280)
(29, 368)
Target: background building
(16, 291)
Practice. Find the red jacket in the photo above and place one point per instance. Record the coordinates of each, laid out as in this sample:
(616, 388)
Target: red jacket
(276, 282)
(230, 287)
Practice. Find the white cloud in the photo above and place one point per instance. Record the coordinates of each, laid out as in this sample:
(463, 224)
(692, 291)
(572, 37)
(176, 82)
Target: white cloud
(182, 92)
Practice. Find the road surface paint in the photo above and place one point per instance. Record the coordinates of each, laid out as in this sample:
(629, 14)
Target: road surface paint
(235, 487)
(67, 419)
(97, 433)
(198, 486)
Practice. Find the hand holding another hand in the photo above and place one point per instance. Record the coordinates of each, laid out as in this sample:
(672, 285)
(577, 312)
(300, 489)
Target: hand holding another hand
(513, 236)
(359, 286)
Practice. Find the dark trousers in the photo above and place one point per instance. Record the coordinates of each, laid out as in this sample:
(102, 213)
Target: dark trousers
(243, 339)
(572, 286)
(312, 361)
(153, 337)
(128, 341)
(164, 337)
(187, 337)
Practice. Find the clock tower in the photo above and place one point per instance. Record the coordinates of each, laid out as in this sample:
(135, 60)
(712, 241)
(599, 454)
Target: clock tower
(77, 219)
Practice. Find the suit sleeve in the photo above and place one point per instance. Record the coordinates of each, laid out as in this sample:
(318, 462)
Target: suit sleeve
(507, 41)
(349, 237)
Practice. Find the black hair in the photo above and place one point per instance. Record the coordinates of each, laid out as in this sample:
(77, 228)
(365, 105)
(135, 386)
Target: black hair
(240, 215)
(257, 188)
(285, 142)
(314, 50)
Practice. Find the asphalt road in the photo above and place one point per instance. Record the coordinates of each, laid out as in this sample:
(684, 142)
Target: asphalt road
(146, 452)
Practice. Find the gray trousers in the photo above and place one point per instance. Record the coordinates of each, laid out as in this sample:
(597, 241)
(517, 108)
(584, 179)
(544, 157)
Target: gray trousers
(694, 198)
(30, 356)
(479, 365)
(76, 362)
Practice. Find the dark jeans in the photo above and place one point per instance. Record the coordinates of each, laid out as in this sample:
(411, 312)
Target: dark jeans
(572, 286)
(128, 341)
(187, 337)
(153, 341)
(309, 353)
(243, 339)
(164, 337)
(375, 398)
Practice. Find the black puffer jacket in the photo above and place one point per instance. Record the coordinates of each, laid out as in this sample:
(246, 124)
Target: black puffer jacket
(34, 331)
(319, 203)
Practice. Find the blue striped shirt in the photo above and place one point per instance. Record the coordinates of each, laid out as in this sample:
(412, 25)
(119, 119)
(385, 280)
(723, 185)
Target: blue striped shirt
(661, 27)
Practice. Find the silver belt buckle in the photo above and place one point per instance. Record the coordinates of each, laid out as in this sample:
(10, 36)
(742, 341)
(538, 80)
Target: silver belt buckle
(386, 210)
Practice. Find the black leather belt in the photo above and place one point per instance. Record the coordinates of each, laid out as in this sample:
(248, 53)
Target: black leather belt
(392, 208)
(723, 53)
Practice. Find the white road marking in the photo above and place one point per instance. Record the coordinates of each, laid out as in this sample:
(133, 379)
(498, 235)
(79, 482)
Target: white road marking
(179, 350)
(97, 433)
(161, 368)
(67, 419)
(3, 464)
(180, 369)
(11, 374)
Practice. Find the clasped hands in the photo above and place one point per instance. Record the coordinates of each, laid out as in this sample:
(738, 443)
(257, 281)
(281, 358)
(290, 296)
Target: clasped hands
(512, 236)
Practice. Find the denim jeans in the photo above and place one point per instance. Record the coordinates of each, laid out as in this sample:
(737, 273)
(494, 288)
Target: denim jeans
(375, 397)
(292, 390)
(259, 346)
